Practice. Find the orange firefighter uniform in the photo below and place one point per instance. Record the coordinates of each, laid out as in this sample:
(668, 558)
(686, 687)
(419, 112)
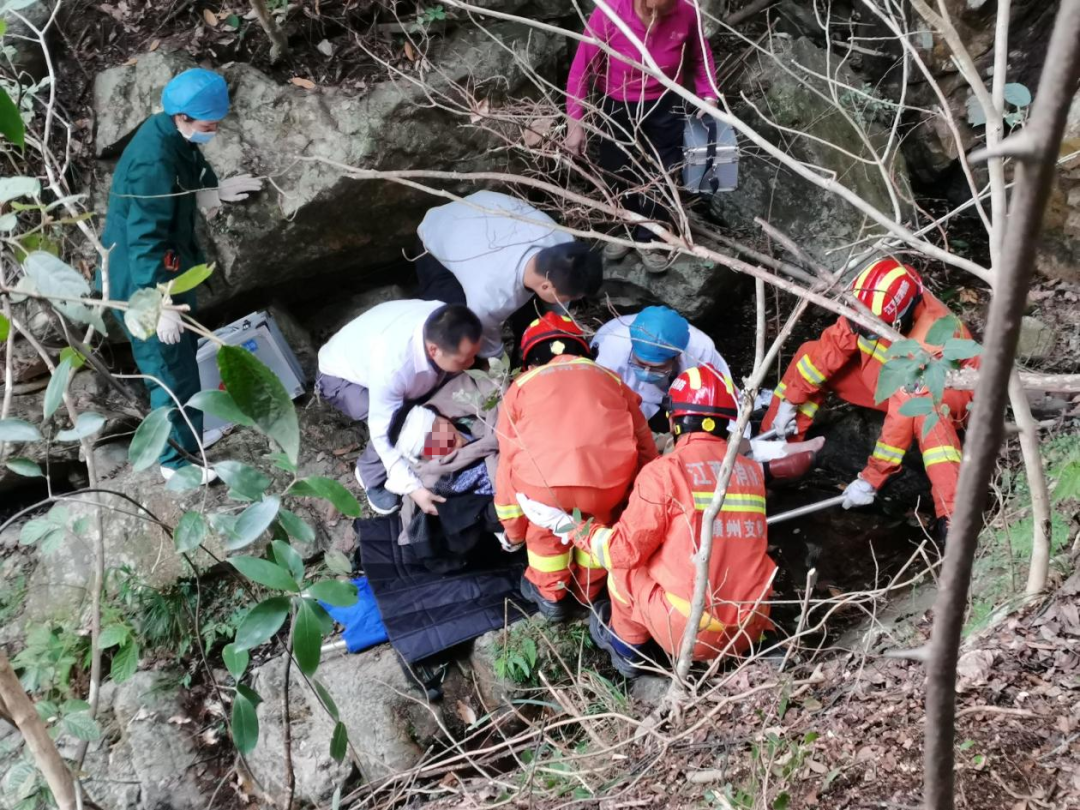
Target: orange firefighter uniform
(845, 362)
(571, 435)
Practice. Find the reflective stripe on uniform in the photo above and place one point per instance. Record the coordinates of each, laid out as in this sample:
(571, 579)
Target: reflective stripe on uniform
(683, 607)
(613, 592)
(807, 409)
(552, 564)
(886, 452)
(872, 348)
(600, 550)
(577, 361)
(585, 559)
(881, 289)
(508, 512)
(941, 455)
(809, 371)
(733, 502)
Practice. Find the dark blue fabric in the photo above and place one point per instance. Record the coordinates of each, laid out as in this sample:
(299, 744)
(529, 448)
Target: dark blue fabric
(362, 622)
(428, 612)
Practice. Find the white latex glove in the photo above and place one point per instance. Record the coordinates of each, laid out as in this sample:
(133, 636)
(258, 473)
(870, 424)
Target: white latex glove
(235, 189)
(858, 493)
(169, 326)
(542, 515)
(784, 423)
(506, 544)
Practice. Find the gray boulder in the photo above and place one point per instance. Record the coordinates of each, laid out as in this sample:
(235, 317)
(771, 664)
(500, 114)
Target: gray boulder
(816, 219)
(314, 225)
(1059, 249)
(58, 584)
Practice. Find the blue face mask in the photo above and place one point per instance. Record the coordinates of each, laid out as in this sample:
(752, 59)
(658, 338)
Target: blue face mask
(201, 137)
(649, 376)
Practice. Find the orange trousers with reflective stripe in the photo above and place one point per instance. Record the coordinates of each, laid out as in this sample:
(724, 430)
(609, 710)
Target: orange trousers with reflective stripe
(640, 610)
(557, 569)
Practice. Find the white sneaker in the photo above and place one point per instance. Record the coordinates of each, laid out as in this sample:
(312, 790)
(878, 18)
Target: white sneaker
(613, 252)
(208, 475)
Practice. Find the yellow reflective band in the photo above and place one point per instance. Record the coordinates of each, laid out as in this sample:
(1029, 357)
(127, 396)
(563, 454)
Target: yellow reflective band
(886, 452)
(732, 502)
(778, 392)
(614, 593)
(809, 372)
(585, 559)
(860, 282)
(882, 289)
(941, 455)
(809, 409)
(508, 512)
(600, 548)
(693, 375)
(548, 565)
(707, 622)
(872, 348)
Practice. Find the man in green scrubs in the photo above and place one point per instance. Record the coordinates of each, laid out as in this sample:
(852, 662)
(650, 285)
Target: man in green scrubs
(150, 226)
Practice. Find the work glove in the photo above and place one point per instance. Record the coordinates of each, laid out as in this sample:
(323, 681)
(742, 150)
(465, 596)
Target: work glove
(784, 423)
(235, 189)
(547, 517)
(508, 545)
(169, 326)
(858, 493)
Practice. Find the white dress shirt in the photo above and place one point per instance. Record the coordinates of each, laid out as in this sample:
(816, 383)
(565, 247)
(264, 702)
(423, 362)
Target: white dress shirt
(383, 350)
(487, 253)
(612, 342)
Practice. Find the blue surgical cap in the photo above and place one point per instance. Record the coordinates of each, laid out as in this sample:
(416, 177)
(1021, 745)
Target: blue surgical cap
(658, 334)
(197, 93)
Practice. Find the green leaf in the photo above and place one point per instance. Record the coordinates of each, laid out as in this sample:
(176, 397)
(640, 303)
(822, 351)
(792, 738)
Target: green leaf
(252, 522)
(245, 482)
(1068, 485)
(918, 406)
(894, 375)
(296, 527)
(18, 430)
(236, 660)
(307, 636)
(934, 379)
(245, 723)
(261, 622)
(327, 699)
(260, 395)
(930, 424)
(265, 573)
(11, 123)
(190, 279)
(50, 276)
(25, 467)
(960, 349)
(12, 188)
(44, 530)
(81, 726)
(903, 348)
(143, 311)
(218, 403)
(5, 324)
(281, 461)
(337, 562)
(942, 329)
(286, 555)
(339, 742)
(782, 801)
(187, 478)
(125, 662)
(335, 593)
(54, 392)
(150, 438)
(76, 358)
(113, 635)
(189, 533)
(328, 489)
(86, 424)
(1017, 94)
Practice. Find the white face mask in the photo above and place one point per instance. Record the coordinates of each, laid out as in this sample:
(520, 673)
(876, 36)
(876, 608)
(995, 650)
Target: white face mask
(193, 135)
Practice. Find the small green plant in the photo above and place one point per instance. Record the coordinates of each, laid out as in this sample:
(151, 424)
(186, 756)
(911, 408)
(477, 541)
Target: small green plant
(46, 664)
(517, 657)
(868, 105)
(426, 17)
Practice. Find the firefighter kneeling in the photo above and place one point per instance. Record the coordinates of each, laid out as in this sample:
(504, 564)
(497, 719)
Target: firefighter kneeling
(649, 551)
(847, 360)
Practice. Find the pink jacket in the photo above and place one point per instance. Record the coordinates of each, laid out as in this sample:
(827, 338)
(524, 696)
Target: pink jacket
(675, 42)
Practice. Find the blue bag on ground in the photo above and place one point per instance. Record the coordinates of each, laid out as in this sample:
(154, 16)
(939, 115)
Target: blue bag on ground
(362, 621)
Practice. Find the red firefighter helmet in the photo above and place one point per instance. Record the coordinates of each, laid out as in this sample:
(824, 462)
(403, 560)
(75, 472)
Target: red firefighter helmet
(889, 289)
(703, 391)
(553, 328)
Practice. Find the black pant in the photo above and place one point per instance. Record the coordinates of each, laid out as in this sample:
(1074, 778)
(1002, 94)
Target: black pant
(642, 132)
